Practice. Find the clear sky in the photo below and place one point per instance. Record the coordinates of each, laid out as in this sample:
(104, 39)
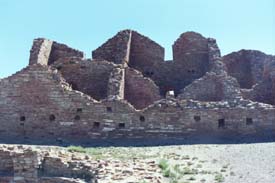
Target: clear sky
(86, 24)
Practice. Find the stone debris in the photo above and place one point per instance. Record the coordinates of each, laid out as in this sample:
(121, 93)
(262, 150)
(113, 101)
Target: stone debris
(26, 164)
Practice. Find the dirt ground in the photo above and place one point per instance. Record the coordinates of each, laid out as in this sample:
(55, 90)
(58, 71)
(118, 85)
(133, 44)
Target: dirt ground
(232, 163)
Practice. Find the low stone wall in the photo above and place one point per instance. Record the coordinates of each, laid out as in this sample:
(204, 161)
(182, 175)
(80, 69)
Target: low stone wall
(32, 165)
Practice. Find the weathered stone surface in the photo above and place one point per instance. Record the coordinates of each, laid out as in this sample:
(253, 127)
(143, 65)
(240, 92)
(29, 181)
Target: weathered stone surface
(212, 87)
(36, 164)
(88, 76)
(40, 51)
(116, 49)
(61, 98)
(247, 66)
(60, 51)
(140, 91)
(24, 164)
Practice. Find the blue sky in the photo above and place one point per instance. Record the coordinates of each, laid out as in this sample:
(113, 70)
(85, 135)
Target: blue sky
(86, 24)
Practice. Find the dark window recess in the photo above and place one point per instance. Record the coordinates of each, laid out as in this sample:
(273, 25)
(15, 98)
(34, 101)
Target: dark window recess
(221, 123)
(59, 68)
(77, 117)
(142, 118)
(191, 71)
(149, 73)
(197, 118)
(22, 118)
(52, 117)
(109, 109)
(74, 86)
(96, 125)
(249, 121)
(121, 125)
(79, 110)
(22, 124)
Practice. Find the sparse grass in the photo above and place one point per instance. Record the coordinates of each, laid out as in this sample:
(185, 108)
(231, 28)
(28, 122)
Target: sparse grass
(112, 152)
(177, 168)
(219, 177)
(199, 166)
(76, 149)
(163, 164)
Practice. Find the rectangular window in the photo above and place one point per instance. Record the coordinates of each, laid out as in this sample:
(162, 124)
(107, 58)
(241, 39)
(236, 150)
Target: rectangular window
(121, 125)
(221, 123)
(249, 121)
(96, 125)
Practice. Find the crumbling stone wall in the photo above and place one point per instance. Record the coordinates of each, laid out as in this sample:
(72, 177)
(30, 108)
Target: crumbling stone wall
(145, 54)
(247, 66)
(140, 91)
(30, 165)
(55, 103)
(44, 103)
(215, 85)
(116, 49)
(40, 51)
(212, 87)
(60, 51)
(88, 76)
(46, 52)
(116, 83)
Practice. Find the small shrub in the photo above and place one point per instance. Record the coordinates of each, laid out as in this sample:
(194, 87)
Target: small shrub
(163, 164)
(166, 172)
(192, 178)
(219, 178)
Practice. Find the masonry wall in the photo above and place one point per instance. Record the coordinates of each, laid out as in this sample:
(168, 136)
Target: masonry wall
(140, 91)
(37, 106)
(247, 66)
(190, 51)
(88, 76)
(30, 165)
(116, 49)
(145, 54)
(61, 51)
(40, 51)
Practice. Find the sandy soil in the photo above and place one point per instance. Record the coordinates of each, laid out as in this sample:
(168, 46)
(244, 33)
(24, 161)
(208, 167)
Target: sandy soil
(233, 163)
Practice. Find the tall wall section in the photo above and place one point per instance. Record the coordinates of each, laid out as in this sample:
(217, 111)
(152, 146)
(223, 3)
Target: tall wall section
(88, 76)
(46, 52)
(38, 106)
(116, 49)
(140, 91)
(40, 51)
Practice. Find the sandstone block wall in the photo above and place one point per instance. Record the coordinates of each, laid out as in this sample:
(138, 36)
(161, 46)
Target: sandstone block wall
(40, 51)
(145, 54)
(60, 51)
(30, 165)
(89, 77)
(116, 49)
(116, 83)
(247, 66)
(76, 100)
(140, 91)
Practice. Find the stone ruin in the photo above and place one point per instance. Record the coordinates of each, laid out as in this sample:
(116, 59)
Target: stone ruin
(21, 164)
(128, 91)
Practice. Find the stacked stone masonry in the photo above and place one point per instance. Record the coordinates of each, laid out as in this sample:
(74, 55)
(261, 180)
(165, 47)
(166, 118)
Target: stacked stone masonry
(27, 164)
(64, 98)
